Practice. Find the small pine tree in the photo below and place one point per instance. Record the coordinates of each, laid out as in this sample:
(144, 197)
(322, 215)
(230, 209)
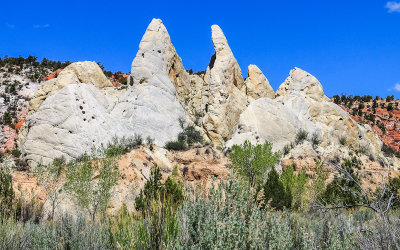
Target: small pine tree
(275, 193)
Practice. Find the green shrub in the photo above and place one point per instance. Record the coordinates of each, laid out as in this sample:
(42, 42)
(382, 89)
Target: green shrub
(295, 184)
(7, 196)
(301, 136)
(186, 138)
(90, 183)
(341, 190)
(138, 140)
(342, 140)
(176, 145)
(157, 204)
(286, 149)
(315, 140)
(114, 148)
(154, 190)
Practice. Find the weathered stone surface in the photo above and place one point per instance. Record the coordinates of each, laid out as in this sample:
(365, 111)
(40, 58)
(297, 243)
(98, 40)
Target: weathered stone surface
(266, 120)
(303, 94)
(71, 122)
(78, 72)
(302, 104)
(223, 102)
(257, 85)
(148, 108)
(157, 59)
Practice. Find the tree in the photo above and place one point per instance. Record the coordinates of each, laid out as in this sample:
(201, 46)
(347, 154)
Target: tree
(276, 194)
(352, 194)
(7, 195)
(295, 184)
(90, 183)
(336, 99)
(390, 107)
(252, 163)
(49, 178)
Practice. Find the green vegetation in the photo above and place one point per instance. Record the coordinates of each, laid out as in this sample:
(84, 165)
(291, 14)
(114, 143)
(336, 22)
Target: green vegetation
(7, 195)
(295, 184)
(252, 163)
(301, 136)
(90, 193)
(315, 140)
(258, 207)
(187, 138)
(49, 176)
(342, 189)
(275, 194)
(342, 140)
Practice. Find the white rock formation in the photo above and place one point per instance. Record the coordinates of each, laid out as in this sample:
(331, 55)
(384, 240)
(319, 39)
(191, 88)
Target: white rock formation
(303, 94)
(223, 102)
(78, 72)
(266, 120)
(302, 104)
(69, 123)
(157, 60)
(257, 85)
(61, 127)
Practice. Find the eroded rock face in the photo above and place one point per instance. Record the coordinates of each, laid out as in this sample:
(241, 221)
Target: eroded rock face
(223, 100)
(78, 72)
(79, 117)
(303, 94)
(302, 104)
(148, 108)
(69, 123)
(266, 120)
(257, 85)
(157, 60)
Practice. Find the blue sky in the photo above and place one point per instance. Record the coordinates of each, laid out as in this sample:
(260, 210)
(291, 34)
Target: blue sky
(352, 47)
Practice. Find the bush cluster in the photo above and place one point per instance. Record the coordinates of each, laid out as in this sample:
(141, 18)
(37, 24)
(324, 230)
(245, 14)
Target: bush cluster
(189, 136)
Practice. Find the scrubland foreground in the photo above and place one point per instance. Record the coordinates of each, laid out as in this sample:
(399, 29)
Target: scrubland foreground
(255, 208)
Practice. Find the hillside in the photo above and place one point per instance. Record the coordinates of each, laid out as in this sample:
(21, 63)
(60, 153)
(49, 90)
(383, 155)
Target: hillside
(382, 114)
(165, 158)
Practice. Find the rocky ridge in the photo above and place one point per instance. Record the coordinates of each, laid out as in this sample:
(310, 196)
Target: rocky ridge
(162, 93)
(81, 109)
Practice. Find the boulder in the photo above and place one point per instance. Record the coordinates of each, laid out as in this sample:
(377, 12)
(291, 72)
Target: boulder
(223, 101)
(257, 85)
